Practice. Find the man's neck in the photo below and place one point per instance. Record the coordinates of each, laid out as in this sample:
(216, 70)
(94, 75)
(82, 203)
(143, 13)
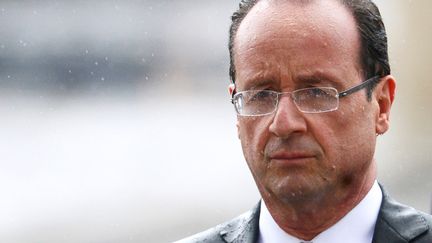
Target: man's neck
(357, 226)
(308, 218)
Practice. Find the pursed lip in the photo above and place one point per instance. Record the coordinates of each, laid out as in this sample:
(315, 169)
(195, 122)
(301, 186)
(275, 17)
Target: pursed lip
(291, 157)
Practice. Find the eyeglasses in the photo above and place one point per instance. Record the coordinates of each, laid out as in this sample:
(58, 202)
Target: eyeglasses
(307, 100)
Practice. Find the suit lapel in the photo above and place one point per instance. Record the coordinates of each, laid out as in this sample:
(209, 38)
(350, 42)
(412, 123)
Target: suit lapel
(397, 223)
(244, 229)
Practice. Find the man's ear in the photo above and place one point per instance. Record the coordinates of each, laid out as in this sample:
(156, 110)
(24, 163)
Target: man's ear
(231, 90)
(385, 93)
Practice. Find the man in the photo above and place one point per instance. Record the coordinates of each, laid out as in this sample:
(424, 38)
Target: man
(312, 90)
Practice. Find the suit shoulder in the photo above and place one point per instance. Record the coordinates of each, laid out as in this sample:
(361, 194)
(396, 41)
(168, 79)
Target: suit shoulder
(211, 236)
(428, 218)
(399, 221)
(222, 232)
(426, 237)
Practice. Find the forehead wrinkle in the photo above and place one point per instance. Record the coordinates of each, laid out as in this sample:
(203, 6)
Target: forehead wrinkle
(270, 63)
(261, 75)
(319, 77)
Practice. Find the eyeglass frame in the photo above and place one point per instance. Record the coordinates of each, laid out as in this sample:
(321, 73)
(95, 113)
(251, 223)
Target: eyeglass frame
(342, 94)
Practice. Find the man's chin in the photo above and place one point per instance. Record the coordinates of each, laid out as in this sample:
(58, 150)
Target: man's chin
(294, 191)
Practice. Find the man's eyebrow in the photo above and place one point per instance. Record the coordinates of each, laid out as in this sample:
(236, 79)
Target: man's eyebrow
(258, 83)
(317, 78)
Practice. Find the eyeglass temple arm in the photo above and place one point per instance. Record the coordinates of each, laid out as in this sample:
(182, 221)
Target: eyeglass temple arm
(358, 87)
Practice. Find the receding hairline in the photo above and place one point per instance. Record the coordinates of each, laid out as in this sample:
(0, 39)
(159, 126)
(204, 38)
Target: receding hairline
(301, 21)
(296, 2)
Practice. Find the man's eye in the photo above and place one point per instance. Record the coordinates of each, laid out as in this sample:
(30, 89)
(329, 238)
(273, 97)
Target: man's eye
(258, 96)
(262, 94)
(318, 92)
(312, 94)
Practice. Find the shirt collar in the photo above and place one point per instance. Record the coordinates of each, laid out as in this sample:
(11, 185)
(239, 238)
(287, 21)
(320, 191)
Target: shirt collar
(357, 226)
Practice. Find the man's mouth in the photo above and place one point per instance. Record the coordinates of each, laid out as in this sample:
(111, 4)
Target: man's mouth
(291, 157)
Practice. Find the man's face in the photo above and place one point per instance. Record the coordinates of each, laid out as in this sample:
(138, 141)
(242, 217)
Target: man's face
(289, 45)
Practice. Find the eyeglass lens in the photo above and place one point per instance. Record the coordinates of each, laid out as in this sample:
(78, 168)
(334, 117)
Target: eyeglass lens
(308, 100)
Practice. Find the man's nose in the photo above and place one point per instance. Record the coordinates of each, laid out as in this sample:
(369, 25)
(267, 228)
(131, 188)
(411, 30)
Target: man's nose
(287, 118)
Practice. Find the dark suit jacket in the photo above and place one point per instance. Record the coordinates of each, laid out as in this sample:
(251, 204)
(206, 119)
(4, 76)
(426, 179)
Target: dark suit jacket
(396, 223)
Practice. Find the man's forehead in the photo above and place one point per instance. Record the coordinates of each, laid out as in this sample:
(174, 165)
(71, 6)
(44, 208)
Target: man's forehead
(280, 37)
(317, 21)
(297, 16)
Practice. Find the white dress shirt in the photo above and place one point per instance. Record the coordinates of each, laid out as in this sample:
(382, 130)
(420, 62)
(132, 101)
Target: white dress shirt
(355, 227)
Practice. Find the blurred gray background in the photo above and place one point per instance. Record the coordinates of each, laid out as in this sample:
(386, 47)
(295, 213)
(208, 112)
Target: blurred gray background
(116, 124)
